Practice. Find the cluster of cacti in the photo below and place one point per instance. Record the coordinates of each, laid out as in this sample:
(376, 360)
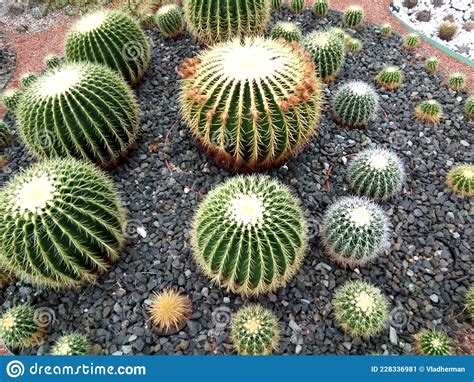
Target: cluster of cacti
(353, 44)
(262, 106)
(255, 331)
(276, 4)
(447, 30)
(431, 64)
(169, 311)
(411, 41)
(11, 99)
(457, 81)
(249, 235)
(27, 79)
(469, 107)
(52, 61)
(327, 51)
(470, 301)
(212, 21)
(354, 231)
(111, 38)
(71, 344)
(5, 134)
(432, 342)
(20, 327)
(287, 31)
(429, 111)
(60, 223)
(170, 21)
(390, 77)
(361, 309)
(355, 104)
(87, 111)
(386, 30)
(297, 6)
(376, 173)
(353, 17)
(460, 180)
(320, 8)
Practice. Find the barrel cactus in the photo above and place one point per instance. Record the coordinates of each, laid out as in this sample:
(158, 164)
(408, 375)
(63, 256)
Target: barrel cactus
(386, 30)
(27, 79)
(255, 331)
(213, 21)
(376, 173)
(470, 301)
(327, 51)
(447, 30)
(431, 64)
(457, 81)
(361, 309)
(353, 45)
(249, 235)
(52, 61)
(72, 344)
(287, 31)
(169, 311)
(11, 98)
(276, 4)
(353, 16)
(411, 41)
(66, 216)
(297, 6)
(111, 38)
(460, 180)
(354, 231)
(320, 8)
(469, 107)
(429, 111)
(20, 327)
(390, 77)
(170, 20)
(254, 103)
(355, 104)
(87, 111)
(5, 134)
(433, 342)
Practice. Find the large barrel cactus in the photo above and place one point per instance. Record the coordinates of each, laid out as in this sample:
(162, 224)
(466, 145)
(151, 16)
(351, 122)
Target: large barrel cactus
(83, 110)
(249, 235)
(253, 104)
(111, 38)
(212, 21)
(60, 223)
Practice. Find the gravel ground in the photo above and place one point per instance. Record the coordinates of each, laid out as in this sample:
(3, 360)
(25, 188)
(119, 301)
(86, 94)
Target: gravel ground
(424, 274)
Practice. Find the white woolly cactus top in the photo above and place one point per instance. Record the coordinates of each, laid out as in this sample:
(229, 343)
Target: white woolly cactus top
(167, 8)
(354, 8)
(247, 210)
(288, 26)
(380, 159)
(91, 22)
(361, 88)
(364, 303)
(59, 81)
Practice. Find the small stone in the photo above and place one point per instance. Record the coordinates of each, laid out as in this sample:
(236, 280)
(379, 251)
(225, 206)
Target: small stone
(393, 336)
(434, 298)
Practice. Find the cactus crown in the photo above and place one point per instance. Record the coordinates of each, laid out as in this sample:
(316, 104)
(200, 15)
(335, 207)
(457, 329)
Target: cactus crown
(170, 20)
(432, 342)
(390, 77)
(432, 64)
(264, 229)
(320, 8)
(20, 327)
(460, 180)
(386, 30)
(288, 31)
(297, 6)
(353, 16)
(429, 110)
(169, 311)
(457, 81)
(353, 45)
(71, 344)
(11, 99)
(411, 41)
(361, 309)
(5, 134)
(469, 107)
(255, 331)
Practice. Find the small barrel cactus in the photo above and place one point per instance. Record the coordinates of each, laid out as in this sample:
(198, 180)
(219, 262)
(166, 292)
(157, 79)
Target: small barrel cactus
(20, 327)
(457, 81)
(72, 344)
(288, 31)
(27, 79)
(297, 6)
(111, 38)
(460, 180)
(429, 111)
(5, 134)
(355, 104)
(361, 309)
(52, 61)
(470, 301)
(276, 4)
(170, 21)
(390, 77)
(432, 342)
(469, 107)
(411, 41)
(263, 106)
(354, 231)
(376, 173)
(432, 64)
(11, 99)
(353, 45)
(67, 217)
(320, 8)
(213, 21)
(169, 311)
(327, 51)
(386, 30)
(447, 30)
(353, 16)
(249, 235)
(255, 331)
(83, 110)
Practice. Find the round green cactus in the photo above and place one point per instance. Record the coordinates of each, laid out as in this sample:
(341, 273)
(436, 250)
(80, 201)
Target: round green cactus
(390, 77)
(276, 4)
(20, 327)
(255, 331)
(60, 223)
(111, 38)
(469, 107)
(52, 61)
(169, 19)
(386, 30)
(470, 301)
(261, 107)
(83, 110)
(432, 64)
(213, 21)
(353, 17)
(297, 6)
(5, 134)
(11, 99)
(355, 104)
(460, 180)
(429, 111)
(432, 342)
(376, 173)
(354, 231)
(353, 45)
(327, 51)
(28, 78)
(361, 309)
(320, 8)
(288, 31)
(71, 344)
(411, 41)
(457, 81)
(249, 235)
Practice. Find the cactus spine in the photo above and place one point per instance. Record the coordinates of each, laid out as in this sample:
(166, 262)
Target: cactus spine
(72, 344)
(170, 20)
(297, 6)
(169, 311)
(432, 64)
(447, 30)
(353, 17)
(20, 327)
(390, 77)
(460, 180)
(287, 31)
(429, 111)
(432, 342)
(320, 8)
